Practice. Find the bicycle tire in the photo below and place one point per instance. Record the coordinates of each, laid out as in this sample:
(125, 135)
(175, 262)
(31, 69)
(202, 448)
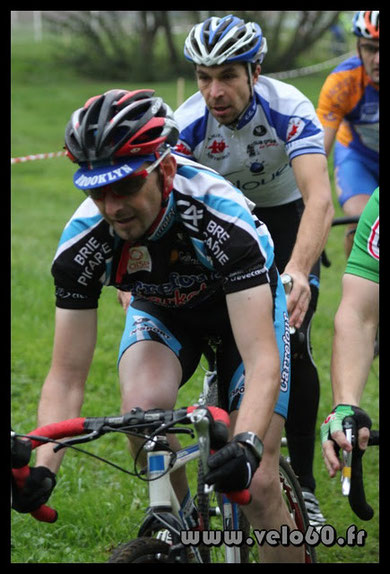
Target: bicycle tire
(143, 551)
(296, 505)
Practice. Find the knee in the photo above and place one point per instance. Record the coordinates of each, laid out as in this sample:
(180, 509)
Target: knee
(265, 491)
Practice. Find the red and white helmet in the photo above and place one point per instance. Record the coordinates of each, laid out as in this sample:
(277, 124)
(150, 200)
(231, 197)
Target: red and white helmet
(365, 24)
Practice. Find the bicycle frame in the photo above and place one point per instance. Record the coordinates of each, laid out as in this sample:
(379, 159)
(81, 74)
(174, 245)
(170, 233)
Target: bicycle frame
(163, 501)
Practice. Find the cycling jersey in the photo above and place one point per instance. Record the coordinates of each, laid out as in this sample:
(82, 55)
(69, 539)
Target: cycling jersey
(364, 257)
(279, 124)
(207, 241)
(207, 244)
(349, 103)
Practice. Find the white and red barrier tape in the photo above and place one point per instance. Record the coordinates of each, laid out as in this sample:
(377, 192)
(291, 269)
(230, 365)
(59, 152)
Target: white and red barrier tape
(37, 156)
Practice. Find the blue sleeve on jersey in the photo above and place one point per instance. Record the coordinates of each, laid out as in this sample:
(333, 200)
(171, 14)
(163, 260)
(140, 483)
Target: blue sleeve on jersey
(195, 132)
(284, 124)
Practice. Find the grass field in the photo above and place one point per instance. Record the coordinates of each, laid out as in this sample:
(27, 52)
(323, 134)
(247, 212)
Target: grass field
(98, 506)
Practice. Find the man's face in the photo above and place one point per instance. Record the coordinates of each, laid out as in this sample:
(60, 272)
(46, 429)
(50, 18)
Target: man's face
(225, 90)
(369, 54)
(132, 204)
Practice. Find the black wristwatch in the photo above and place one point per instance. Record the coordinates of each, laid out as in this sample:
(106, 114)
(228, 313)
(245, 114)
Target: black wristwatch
(251, 440)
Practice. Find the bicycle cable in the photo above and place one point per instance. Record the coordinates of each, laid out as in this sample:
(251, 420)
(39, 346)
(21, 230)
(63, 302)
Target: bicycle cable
(78, 449)
(126, 431)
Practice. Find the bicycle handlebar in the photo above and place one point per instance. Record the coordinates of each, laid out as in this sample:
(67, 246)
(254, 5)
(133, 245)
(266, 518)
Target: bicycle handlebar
(134, 421)
(357, 496)
(345, 220)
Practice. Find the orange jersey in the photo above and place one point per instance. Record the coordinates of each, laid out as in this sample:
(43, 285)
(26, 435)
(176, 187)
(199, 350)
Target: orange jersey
(349, 103)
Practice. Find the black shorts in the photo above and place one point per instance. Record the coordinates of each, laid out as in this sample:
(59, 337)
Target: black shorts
(186, 331)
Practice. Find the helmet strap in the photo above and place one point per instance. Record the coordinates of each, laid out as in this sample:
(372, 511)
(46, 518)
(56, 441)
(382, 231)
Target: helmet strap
(166, 189)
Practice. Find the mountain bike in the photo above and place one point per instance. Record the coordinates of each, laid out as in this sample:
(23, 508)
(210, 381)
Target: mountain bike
(218, 537)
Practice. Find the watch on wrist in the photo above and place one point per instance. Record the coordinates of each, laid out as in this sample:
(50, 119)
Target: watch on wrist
(251, 440)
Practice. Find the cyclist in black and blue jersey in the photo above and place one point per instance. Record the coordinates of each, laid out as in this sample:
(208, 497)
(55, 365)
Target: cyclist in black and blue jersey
(263, 135)
(198, 263)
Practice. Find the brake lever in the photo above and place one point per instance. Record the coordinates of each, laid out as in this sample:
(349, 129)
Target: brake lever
(78, 440)
(346, 472)
(202, 423)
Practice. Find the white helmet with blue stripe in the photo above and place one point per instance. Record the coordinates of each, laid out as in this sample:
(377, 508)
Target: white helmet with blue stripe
(225, 40)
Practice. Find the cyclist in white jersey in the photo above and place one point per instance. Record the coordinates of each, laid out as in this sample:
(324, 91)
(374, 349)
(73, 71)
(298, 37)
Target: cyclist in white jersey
(264, 136)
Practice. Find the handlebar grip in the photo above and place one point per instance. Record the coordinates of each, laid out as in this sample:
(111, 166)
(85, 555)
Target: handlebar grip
(242, 497)
(374, 438)
(357, 496)
(62, 429)
(43, 513)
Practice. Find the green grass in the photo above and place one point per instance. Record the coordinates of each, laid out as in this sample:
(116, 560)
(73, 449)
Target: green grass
(98, 506)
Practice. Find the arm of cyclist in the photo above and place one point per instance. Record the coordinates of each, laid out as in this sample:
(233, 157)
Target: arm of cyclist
(250, 312)
(311, 174)
(61, 397)
(329, 138)
(123, 299)
(356, 323)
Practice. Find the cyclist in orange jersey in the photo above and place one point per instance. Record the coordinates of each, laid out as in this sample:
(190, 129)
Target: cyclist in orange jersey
(348, 108)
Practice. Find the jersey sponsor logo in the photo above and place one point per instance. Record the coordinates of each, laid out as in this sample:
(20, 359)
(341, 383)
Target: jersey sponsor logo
(143, 327)
(91, 255)
(171, 293)
(295, 128)
(191, 215)
(240, 276)
(285, 374)
(218, 148)
(256, 167)
(259, 130)
(139, 259)
(62, 293)
(369, 112)
(373, 240)
(216, 235)
(248, 186)
(255, 148)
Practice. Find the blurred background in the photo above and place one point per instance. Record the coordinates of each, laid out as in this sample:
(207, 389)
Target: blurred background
(148, 45)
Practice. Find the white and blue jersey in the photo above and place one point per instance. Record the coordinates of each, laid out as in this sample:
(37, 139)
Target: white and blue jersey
(280, 124)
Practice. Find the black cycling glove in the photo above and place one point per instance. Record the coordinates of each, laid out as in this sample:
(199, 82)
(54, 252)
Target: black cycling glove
(232, 467)
(20, 451)
(36, 491)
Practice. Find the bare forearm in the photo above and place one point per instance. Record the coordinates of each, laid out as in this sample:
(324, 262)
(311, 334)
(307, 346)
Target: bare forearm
(58, 402)
(261, 394)
(311, 174)
(312, 234)
(353, 350)
(251, 318)
(63, 391)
